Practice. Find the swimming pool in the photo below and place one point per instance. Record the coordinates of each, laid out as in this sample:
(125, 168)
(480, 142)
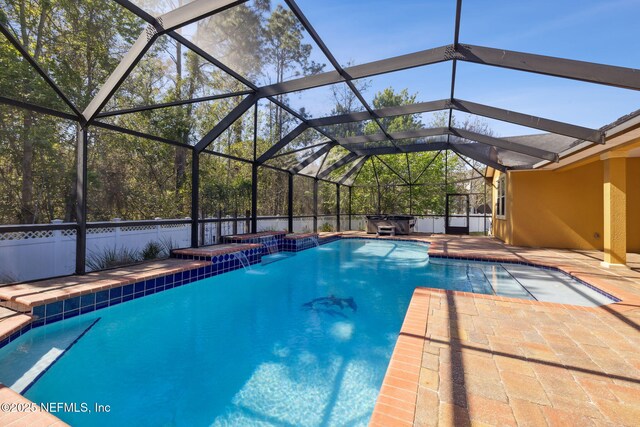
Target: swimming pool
(304, 340)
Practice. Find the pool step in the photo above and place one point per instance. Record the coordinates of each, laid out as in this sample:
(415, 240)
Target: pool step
(26, 364)
(488, 278)
(14, 306)
(296, 242)
(208, 252)
(556, 286)
(11, 322)
(328, 237)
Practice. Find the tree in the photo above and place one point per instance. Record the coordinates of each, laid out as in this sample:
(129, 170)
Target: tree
(77, 43)
(284, 49)
(235, 37)
(345, 101)
(286, 55)
(391, 175)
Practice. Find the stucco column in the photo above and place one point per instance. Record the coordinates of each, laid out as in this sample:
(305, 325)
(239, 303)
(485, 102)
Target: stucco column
(615, 209)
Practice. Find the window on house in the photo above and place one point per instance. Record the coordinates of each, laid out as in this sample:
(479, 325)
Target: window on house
(501, 203)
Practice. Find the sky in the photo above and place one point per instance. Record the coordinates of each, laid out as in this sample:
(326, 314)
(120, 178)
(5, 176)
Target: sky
(360, 31)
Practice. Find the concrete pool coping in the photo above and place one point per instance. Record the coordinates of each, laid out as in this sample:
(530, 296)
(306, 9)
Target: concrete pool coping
(424, 335)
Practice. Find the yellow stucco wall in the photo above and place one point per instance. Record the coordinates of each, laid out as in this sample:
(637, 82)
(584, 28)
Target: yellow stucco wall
(557, 209)
(500, 230)
(615, 208)
(633, 205)
(564, 208)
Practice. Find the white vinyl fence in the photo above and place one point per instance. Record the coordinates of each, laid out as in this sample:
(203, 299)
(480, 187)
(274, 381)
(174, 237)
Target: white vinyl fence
(36, 254)
(47, 253)
(435, 224)
(432, 224)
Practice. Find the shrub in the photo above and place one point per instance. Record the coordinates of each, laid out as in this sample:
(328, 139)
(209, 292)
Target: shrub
(168, 245)
(112, 257)
(326, 227)
(152, 250)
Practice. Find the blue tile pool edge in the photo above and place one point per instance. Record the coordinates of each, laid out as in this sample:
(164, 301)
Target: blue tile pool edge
(300, 244)
(16, 334)
(66, 309)
(102, 299)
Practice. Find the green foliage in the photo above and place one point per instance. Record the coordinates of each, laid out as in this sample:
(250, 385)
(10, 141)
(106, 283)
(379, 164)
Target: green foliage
(381, 185)
(79, 44)
(325, 227)
(152, 250)
(273, 192)
(303, 195)
(284, 47)
(384, 178)
(38, 149)
(326, 198)
(111, 258)
(167, 244)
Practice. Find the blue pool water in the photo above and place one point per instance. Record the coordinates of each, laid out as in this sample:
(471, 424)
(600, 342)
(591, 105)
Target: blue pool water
(304, 340)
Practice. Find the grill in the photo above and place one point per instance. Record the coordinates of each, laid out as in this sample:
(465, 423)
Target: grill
(403, 224)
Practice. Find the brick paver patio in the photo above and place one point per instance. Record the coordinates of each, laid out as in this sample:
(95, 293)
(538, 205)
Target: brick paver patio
(18, 411)
(470, 359)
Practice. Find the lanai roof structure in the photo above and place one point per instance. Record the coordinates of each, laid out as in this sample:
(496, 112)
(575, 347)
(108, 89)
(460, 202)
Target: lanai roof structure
(335, 155)
(164, 162)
